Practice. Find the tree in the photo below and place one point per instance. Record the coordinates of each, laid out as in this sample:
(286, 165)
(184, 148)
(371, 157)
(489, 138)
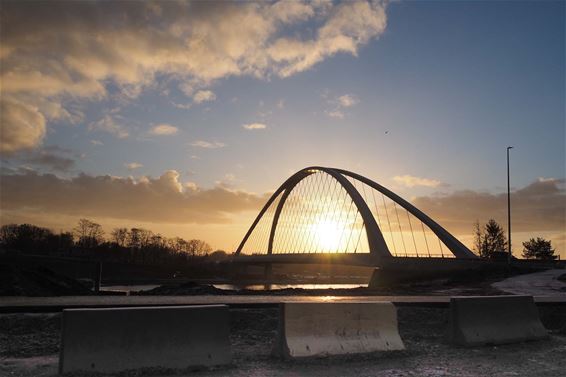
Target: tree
(119, 236)
(198, 248)
(478, 238)
(88, 233)
(490, 239)
(25, 237)
(538, 248)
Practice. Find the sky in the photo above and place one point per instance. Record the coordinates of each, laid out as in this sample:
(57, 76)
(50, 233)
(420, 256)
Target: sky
(183, 117)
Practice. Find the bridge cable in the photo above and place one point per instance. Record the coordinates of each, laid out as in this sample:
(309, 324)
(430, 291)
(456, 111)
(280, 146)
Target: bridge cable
(311, 213)
(267, 220)
(400, 231)
(327, 207)
(347, 218)
(363, 221)
(389, 222)
(311, 240)
(335, 215)
(381, 228)
(412, 234)
(291, 218)
(440, 243)
(303, 213)
(425, 240)
(323, 204)
(355, 219)
(299, 217)
(314, 215)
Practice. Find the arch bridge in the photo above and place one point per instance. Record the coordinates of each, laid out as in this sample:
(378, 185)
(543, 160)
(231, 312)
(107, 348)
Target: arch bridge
(330, 215)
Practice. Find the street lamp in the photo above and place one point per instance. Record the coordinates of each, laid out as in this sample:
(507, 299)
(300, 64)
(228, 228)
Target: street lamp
(508, 208)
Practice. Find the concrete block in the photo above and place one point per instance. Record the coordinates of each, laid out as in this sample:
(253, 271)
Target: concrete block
(321, 329)
(494, 320)
(117, 339)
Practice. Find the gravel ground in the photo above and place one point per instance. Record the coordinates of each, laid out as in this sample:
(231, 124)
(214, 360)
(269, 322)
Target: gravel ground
(29, 344)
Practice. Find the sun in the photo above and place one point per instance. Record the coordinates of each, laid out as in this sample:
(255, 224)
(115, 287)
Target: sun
(327, 234)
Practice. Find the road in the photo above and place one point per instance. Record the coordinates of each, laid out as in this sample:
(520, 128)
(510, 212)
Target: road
(543, 283)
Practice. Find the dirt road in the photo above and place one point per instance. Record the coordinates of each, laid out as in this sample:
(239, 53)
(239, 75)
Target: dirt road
(543, 283)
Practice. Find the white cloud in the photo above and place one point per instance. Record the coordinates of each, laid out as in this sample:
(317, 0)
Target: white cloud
(57, 52)
(109, 124)
(348, 100)
(335, 114)
(133, 165)
(281, 104)
(96, 142)
(207, 144)
(254, 126)
(204, 96)
(412, 181)
(338, 104)
(163, 129)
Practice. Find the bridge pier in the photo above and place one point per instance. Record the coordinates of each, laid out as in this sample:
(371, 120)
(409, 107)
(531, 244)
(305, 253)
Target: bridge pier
(268, 271)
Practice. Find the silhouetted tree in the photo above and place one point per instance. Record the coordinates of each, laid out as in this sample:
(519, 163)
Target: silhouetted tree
(489, 239)
(119, 236)
(198, 248)
(478, 238)
(25, 237)
(89, 234)
(538, 248)
(136, 245)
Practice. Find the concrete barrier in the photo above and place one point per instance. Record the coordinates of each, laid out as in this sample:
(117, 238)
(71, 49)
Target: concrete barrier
(117, 339)
(320, 329)
(494, 320)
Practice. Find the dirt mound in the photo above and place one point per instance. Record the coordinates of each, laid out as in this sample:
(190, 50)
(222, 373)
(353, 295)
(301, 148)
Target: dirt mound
(185, 289)
(17, 280)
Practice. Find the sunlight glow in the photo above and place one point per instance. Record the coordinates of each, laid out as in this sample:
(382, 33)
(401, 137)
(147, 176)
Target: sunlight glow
(327, 234)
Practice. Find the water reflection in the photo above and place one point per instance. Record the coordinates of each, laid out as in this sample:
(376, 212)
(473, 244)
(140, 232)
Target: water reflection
(268, 287)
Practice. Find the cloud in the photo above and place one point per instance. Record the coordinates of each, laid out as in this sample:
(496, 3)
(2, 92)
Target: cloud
(207, 144)
(204, 96)
(22, 126)
(56, 54)
(412, 181)
(281, 104)
(338, 104)
(96, 142)
(53, 158)
(163, 129)
(157, 200)
(254, 126)
(109, 124)
(133, 165)
(348, 100)
(335, 114)
(537, 207)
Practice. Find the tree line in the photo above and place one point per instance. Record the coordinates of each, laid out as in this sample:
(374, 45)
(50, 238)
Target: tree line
(490, 242)
(88, 239)
(142, 246)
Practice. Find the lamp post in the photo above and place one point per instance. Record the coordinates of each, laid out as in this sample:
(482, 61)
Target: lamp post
(508, 208)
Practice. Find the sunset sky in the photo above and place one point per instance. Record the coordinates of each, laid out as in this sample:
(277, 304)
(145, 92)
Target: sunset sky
(183, 117)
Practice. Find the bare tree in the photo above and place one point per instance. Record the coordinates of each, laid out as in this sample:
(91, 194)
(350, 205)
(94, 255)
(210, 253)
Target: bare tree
(89, 234)
(119, 236)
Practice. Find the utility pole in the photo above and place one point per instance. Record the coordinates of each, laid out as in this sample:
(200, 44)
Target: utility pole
(508, 208)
